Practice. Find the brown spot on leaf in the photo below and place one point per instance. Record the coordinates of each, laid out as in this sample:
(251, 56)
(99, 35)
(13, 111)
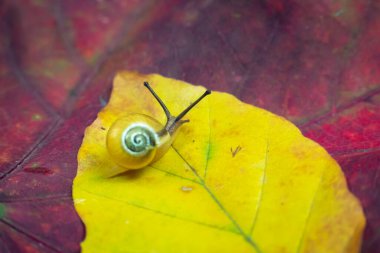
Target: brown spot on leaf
(39, 170)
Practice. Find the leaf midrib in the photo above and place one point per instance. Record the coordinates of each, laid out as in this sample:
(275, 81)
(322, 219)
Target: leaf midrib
(246, 237)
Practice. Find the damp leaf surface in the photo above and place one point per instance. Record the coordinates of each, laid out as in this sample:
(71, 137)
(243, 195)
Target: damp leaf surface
(236, 179)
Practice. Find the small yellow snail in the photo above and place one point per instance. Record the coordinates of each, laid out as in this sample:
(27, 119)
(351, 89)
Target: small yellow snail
(136, 140)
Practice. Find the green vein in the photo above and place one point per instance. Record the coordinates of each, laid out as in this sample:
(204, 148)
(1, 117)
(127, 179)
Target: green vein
(246, 237)
(158, 211)
(309, 211)
(209, 140)
(263, 178)
(175, 175)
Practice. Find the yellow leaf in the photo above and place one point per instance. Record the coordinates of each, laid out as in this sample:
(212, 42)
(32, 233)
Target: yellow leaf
(236, 179)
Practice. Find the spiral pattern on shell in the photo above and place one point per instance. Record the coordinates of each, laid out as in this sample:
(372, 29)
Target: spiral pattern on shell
(138, 139)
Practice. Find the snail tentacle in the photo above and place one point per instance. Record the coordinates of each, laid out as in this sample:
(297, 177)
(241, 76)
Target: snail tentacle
(173, 123)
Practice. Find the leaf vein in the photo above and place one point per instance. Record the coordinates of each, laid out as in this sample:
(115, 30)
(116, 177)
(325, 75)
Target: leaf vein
(160, 212)
(175, 175)
(309, 212)
(209, 140)
(29, 235)
(44, 198)
(263, 178)
(246, 237)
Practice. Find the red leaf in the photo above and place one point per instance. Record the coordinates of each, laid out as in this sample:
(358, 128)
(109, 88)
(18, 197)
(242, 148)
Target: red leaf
(316, 63)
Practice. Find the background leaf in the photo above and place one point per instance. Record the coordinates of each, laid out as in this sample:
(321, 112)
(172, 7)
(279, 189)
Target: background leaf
(316, 63)
(280, 193)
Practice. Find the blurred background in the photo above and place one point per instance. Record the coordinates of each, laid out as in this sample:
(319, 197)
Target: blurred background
(314, 62)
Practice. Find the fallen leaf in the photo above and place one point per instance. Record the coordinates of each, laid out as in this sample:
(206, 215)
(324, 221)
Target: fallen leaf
(237, 179)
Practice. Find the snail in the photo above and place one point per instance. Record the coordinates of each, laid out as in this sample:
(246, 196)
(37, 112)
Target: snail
(137, 140)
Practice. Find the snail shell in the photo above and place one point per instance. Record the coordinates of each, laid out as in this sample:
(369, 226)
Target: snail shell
(136, 140)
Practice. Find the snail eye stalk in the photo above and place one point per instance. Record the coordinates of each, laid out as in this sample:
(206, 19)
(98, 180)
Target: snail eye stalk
(184, 112)
(174, 122)
(166, 110)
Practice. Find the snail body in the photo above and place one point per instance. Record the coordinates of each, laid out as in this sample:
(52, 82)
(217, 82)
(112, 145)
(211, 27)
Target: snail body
(137, 140)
